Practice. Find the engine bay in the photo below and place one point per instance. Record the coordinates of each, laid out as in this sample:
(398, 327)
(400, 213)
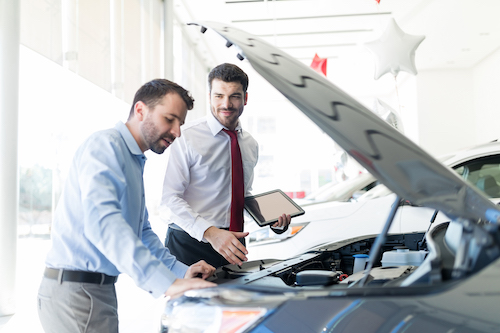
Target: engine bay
(447, 252)
(328, 266)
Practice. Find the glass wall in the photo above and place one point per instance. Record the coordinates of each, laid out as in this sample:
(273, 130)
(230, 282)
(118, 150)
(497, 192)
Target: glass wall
(57, 111)
(81, 63)
(115, 44)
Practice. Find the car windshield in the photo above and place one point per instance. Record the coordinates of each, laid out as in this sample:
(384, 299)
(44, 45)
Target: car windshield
(483, 173)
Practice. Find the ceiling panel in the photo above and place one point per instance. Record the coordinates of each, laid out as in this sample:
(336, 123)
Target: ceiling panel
(459, 33)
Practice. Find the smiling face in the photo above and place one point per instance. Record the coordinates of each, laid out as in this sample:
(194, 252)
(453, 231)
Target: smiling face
(161, 125)
(227, 100)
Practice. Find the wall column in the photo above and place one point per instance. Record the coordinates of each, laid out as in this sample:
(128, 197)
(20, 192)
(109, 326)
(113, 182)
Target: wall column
(168, 43)
(9, 94)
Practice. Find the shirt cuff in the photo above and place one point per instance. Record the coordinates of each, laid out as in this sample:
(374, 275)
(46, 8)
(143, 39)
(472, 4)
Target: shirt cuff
(201, 226)
(162, 278)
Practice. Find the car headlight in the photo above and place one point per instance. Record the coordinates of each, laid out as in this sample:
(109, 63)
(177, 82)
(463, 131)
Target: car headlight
(197, 313)
(267, 235)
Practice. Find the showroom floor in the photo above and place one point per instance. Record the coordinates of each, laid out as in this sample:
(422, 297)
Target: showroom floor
(138, 311)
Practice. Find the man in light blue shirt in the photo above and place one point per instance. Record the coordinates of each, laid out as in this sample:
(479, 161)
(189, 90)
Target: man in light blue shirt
(101, 226)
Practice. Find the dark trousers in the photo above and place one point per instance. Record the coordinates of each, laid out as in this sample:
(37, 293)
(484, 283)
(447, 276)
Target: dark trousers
(188, 250)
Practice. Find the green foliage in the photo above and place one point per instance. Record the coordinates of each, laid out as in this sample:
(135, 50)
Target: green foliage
(35, 189)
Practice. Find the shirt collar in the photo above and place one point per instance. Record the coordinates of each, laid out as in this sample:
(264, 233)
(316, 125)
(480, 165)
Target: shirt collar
(216, 127)
(129, 139)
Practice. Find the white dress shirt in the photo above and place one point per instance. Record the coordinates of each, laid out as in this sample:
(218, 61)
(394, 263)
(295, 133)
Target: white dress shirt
(197, 185)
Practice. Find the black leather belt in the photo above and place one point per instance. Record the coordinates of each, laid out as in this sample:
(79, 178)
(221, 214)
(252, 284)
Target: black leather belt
(176, 227)
(78, 276)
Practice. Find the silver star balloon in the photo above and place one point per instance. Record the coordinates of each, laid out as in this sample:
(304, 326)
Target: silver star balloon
(394, 51)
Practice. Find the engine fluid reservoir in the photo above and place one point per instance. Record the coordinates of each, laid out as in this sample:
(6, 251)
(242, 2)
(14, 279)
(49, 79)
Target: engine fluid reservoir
(360, 261)
(403, 256)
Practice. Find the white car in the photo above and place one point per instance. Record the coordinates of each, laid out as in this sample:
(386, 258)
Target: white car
(344, 191)
(337, 221)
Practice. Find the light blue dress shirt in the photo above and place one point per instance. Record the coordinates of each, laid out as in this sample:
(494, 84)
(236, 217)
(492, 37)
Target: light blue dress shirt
(101, 222)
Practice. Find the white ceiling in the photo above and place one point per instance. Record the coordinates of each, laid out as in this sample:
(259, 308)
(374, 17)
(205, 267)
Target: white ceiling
(458, 33)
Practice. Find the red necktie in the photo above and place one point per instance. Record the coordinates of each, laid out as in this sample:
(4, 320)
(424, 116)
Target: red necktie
(238, 192)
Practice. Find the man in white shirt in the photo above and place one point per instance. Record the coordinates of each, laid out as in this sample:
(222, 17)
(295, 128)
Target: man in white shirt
(198, 188)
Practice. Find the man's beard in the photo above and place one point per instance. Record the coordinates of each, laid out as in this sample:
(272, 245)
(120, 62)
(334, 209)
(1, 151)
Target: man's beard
(153, 139)
(225, 120)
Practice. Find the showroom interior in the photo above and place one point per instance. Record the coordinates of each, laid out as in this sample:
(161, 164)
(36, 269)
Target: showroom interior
(69, 68)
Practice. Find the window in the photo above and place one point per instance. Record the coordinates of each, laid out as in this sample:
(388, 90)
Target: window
(483, 173)
(265, 167)
(266, 125)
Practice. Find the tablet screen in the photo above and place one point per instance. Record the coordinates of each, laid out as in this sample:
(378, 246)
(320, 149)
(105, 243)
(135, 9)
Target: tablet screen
(265, 208)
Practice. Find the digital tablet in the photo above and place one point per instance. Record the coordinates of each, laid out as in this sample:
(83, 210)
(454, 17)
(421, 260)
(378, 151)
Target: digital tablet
(265, 208)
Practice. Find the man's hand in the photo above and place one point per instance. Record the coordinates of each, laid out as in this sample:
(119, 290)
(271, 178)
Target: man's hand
(180, 286)
(200, 267)
(189, 282)
(283, 221)
(227, 244)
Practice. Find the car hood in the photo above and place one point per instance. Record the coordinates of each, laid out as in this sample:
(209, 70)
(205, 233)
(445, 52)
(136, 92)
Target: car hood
(387, 154)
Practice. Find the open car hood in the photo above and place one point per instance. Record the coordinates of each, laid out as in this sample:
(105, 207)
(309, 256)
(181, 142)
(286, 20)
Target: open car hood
(387, 154)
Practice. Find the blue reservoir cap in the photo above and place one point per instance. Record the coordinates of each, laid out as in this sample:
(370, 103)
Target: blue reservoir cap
(492, 215)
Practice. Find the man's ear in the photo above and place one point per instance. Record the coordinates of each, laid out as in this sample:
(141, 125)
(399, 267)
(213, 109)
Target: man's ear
(246, 98)
(140, 110)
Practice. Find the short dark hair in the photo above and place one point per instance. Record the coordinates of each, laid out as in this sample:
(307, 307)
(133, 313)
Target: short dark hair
(153, 91)
(228, 73)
